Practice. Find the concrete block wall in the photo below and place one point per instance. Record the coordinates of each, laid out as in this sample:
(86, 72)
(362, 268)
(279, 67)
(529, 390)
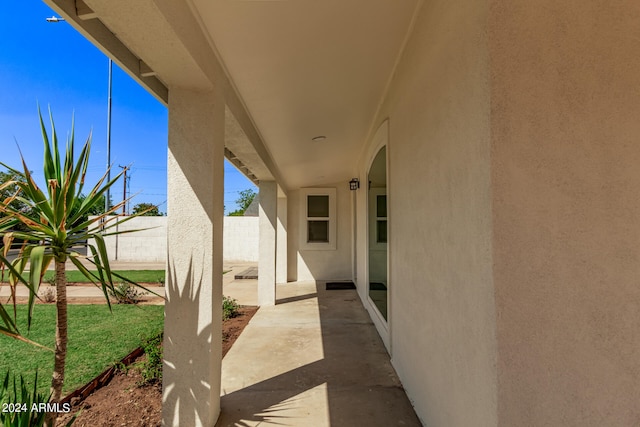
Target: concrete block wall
(150, 243)
(241, 234)
(147, 245)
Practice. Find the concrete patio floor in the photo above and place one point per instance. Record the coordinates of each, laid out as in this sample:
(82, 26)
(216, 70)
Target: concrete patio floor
(313, 359)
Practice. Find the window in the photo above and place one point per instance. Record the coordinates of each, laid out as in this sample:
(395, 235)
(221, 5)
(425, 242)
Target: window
(318, 219)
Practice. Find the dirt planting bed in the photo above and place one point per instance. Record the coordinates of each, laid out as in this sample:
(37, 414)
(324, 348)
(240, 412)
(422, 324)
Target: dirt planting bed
(123, 402)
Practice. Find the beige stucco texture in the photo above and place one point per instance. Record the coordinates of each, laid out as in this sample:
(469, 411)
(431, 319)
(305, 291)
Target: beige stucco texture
(565, 124)
(441, 291)
(193, 313)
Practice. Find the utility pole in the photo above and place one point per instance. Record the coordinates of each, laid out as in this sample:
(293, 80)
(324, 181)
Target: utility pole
(107, 196)
(124, 190)
(124, 204)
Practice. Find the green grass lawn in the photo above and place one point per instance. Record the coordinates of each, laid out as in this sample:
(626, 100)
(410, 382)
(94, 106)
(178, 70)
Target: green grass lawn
(97, 339)
(139, 276)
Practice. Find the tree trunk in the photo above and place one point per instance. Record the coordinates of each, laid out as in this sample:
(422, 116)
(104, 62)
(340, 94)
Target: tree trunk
(61, 340)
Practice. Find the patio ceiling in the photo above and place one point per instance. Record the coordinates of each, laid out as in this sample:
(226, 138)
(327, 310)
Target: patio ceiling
(307, 68)
(299, 68)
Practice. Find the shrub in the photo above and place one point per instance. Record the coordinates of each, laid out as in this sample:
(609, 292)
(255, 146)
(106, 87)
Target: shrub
(151, 369)
(48, 295)
(229, 308)
(126, 293)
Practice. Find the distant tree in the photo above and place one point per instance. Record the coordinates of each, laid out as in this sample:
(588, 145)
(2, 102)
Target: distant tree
(9, 188)
(150, 208)
(243, 201)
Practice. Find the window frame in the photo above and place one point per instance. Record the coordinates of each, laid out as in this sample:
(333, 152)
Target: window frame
(374, 243)
(331, 219)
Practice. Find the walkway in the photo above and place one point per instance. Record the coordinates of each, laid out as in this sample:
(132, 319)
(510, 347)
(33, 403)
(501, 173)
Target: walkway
(314, 359)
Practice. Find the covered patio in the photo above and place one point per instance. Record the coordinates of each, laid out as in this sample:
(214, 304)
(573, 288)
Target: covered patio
(314, 101)
(472, 166)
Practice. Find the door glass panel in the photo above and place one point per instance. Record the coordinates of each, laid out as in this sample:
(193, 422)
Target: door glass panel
(381, 231)
(381, 206)
(378, 233)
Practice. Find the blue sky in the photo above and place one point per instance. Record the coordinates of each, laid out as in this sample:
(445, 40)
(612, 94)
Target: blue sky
(53, 65)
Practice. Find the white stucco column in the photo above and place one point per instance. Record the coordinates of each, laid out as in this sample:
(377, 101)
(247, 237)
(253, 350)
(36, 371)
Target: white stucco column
(281, 241)
(267, 253)
(192, 344)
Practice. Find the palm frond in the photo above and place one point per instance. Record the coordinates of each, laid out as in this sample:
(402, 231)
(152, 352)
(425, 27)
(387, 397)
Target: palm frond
(49, 170)
(94, 197)
(38, 264)
(9, 326)
(103, 270)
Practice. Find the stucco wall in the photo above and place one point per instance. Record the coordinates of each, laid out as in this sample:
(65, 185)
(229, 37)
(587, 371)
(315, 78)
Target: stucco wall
(442, 314)
(240, 240)
(320, 264)
(566, 154)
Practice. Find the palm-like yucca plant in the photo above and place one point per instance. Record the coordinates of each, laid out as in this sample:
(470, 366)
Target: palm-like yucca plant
(57, 226)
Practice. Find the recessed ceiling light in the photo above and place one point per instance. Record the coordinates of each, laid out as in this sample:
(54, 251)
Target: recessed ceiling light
(319, 138)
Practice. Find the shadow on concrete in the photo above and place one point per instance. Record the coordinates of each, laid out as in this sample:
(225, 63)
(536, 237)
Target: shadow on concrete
(356, 384)
(188, 396)
(270, 398)
(296, 298)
